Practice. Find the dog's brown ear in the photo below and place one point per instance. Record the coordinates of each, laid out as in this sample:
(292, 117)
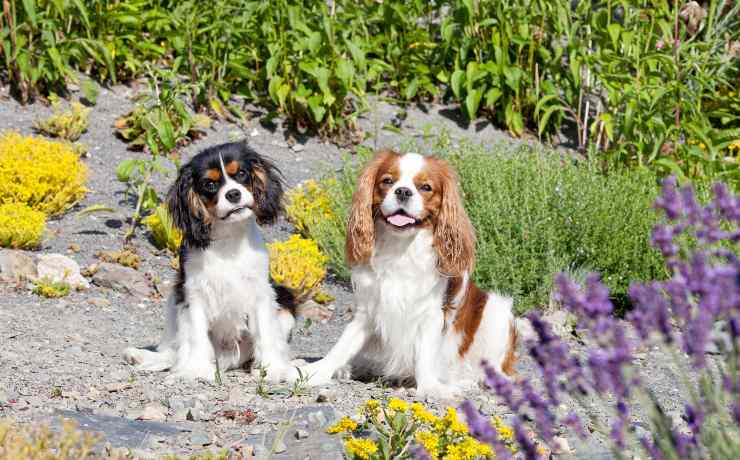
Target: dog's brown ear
(361, 223)
(454, 235)
(188, 212)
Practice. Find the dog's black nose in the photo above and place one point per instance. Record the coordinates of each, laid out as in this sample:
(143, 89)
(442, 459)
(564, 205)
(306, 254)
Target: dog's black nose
(403, 194)
(234, 195)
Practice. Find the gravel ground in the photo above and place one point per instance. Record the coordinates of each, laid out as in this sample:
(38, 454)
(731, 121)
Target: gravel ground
(63, 357)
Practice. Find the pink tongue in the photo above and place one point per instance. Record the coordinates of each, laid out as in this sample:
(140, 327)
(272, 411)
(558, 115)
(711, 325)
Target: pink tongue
(399, 220)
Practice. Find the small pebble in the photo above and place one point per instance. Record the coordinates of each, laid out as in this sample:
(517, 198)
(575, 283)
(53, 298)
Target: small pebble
(301, 434)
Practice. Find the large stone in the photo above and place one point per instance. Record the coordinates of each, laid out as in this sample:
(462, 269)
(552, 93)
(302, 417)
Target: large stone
(16, 265)
(59, 268)
(314, 311)
(118, 431)
(121, 279)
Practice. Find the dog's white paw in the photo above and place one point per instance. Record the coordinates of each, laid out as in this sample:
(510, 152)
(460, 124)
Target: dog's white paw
(133, 356)
(206, 373)
(315, 375)
(438, 390)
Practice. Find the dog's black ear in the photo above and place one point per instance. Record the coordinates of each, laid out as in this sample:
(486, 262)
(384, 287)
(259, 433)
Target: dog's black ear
(267, 190)
(188, 212)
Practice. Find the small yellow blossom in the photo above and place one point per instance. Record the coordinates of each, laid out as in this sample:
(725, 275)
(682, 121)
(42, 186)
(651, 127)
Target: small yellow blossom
(421, 414)
(451, 422)
(361, 448)
(298, 265)
(345, 425)
(371, 408)
(398, 405)
(468, 449)
(307, 204)
(505, 433)
(734, 146)
(430, 442)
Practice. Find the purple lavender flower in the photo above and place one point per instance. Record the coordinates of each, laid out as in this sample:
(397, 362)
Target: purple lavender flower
(521, 434)
(482, 430)
(694, 417)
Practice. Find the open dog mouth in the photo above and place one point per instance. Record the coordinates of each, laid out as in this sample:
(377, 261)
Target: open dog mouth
(234, 211)
(401, 220)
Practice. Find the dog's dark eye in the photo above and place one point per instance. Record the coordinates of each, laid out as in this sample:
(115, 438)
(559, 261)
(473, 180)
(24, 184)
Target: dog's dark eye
(241, 174)
(387, 181)
(426, 188)
(210, 186)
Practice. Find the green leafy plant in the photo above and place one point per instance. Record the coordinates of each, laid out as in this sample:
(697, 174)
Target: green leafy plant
(68, 125)
(162, 229)
(161, 121)
(138, 174)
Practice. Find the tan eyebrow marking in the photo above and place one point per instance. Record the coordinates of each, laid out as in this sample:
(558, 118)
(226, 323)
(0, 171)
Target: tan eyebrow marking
(232, 167)
(213, 174)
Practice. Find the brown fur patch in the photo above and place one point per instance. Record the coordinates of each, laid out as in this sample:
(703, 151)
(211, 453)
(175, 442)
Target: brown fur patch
(469, 315)
(510, 357)
(214, 174)
(367, 197)
(197, 207)
(232, 167)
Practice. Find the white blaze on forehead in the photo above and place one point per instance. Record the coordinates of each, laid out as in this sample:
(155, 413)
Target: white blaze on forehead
(247, 199)
(410, 165)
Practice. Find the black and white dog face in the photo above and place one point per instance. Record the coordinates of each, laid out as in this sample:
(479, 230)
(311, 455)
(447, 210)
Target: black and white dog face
(223, 185)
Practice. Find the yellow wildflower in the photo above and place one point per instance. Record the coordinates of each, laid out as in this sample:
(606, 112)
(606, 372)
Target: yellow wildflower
(361, 448)
(398, 405)
(307, 204)
(371, 408)
(451, 422)
(421, 414)
(298, 265)
(430, 442)
(505, 433)
(20, 226)
(345, 425)
(734, 146)
(468, 449)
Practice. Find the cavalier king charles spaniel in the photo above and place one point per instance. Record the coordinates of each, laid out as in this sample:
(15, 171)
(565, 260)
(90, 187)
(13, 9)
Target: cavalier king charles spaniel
(223, 310)
(418, 316)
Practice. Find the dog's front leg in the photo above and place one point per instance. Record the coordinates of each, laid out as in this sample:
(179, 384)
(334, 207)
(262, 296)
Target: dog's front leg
(270, 345)
(349, 344)
(195, 353)
(429, 368)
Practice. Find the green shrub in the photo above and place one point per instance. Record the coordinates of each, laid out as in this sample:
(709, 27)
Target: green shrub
(51, 289)
(536, 214)
(20, 226)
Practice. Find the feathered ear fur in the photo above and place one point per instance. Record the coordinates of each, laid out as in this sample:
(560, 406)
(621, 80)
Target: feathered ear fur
(361, 224)
(188, 212)
(267, 189)
(454, 235)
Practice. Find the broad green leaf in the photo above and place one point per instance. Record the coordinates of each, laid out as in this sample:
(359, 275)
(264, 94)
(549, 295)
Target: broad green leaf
(472, 102)
(29, 6)
(457, 80)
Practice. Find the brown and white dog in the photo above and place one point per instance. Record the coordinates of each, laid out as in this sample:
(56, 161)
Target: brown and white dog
(411, 247)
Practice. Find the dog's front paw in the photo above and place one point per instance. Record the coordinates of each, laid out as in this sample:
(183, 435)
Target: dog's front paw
(206, 373)
(315, 375)
(437, 390)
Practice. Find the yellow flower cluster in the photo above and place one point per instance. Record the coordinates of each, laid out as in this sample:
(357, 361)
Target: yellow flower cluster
(360, 448)
(163, 231)
(47, 176)
(444, 438)
(50, 289)
(307, 204)
(344, 425)
(734, 147)
(298, 265)
(67, 125)
(20, 226)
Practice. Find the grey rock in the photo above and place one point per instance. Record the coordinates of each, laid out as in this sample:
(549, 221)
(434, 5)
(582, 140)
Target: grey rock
(200, 439)
(301, 434)
(117, 431)
(325, 395)
(98, 302)
(60, 268)
(152, 411)
(117, 386)
(298, 148)
(314, 311)
(16, 265)
(121, 279)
